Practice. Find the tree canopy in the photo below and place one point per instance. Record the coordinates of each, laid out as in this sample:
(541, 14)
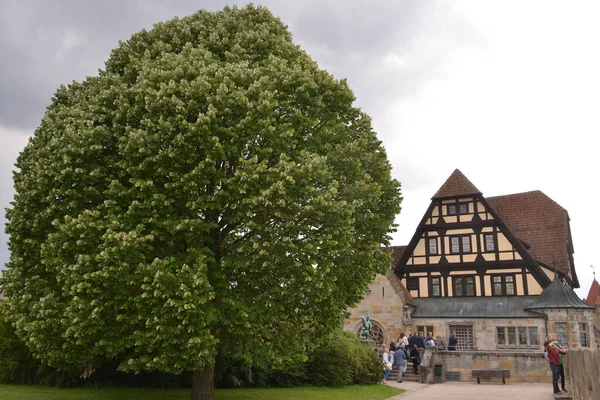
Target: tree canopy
(210, 191)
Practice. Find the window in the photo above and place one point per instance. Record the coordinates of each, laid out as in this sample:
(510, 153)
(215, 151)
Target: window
(464, 334)
(522, 331)
(489, 242)
(583, 335)
(451, 208)
(533, 335)
(426, 330)
(436, 287)
(413, 284)
(460, 244)
(517, 336)
(561, 333)
(463, 286)
(433, 247)
(512, 335)
(458, 208)
(503, 285)
(500, 335)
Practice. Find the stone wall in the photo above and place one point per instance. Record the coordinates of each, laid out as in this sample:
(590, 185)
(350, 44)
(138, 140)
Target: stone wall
(484, 330)
(581, 371)
(523, 366)
(572, 318)
(385, 307)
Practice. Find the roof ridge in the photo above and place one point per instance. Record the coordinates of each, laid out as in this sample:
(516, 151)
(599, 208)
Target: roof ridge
(527, 192)
(457, 184)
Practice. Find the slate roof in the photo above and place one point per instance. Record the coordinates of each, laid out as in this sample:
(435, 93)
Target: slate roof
(540, 222)
(593, 297)
(557, 295)
(456, 185)
(475, 307)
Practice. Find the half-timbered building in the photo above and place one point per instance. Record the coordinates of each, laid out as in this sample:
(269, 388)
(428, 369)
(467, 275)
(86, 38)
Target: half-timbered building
(497, 272)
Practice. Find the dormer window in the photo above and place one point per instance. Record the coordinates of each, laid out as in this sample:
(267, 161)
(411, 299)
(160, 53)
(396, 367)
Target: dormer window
(458, 208)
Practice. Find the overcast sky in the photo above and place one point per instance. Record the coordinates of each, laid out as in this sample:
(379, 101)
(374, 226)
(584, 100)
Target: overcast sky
(506, 91)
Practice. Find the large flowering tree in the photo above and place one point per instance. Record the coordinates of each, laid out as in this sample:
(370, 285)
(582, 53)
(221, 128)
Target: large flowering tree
(211, 191)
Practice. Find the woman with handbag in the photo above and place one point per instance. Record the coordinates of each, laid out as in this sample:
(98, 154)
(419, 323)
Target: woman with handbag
(387, 363)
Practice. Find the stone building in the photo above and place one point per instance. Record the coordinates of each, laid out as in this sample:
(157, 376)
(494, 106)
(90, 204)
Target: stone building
(496, 272)
(389, 305)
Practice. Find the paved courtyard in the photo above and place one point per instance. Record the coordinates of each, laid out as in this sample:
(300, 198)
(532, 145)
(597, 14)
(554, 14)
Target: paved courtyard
(473, 391)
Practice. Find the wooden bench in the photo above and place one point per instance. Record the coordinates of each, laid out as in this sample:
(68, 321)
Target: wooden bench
(494, 373)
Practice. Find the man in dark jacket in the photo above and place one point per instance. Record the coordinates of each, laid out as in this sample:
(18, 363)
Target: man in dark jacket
(420, 342)
(452, 342)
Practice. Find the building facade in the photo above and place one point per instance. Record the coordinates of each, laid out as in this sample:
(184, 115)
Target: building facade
(496, 272)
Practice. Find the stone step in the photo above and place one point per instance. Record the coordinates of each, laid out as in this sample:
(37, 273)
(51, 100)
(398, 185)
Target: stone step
(563, 396)
(408, 376)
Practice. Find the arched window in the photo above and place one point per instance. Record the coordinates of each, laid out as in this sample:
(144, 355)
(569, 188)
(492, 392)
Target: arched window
(377, 333)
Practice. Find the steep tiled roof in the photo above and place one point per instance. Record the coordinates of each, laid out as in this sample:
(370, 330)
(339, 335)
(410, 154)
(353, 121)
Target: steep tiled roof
(593, 298)
(400, 288)
(456, 185)
(538, 221)
(396, 252)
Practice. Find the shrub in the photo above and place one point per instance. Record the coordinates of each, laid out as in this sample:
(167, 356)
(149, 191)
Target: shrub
(343, 360)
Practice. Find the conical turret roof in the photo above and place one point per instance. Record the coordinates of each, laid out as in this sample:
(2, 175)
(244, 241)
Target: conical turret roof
(593, 298)
(558, 295)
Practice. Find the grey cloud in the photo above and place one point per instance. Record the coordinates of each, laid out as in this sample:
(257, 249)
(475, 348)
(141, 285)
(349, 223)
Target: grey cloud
(46, 44)
(386, 49)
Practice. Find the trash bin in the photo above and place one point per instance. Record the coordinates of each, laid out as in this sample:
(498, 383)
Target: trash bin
(438, 369)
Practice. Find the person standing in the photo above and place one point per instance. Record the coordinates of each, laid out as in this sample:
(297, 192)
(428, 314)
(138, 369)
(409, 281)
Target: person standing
(387, 363)
(412, 340)
(415, 357)
(403, 341)
(393, 348)
(430, 341)
(400, 361)
(561, 368)
(420, 341)
(554, 360)
(452, 342)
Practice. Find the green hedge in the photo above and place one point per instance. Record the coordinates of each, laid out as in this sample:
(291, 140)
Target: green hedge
(337, 360)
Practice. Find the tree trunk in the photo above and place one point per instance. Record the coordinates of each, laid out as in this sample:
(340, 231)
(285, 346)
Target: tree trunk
(203, 384)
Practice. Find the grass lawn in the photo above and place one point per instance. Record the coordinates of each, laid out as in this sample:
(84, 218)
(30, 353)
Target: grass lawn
(373, 392)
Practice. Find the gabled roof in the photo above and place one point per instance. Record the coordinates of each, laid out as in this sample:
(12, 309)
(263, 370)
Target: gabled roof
(401, 289)
(538, 221)
(593, 297)
(396, 251)
(456, 185)
(475, 307)
(557, 295)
